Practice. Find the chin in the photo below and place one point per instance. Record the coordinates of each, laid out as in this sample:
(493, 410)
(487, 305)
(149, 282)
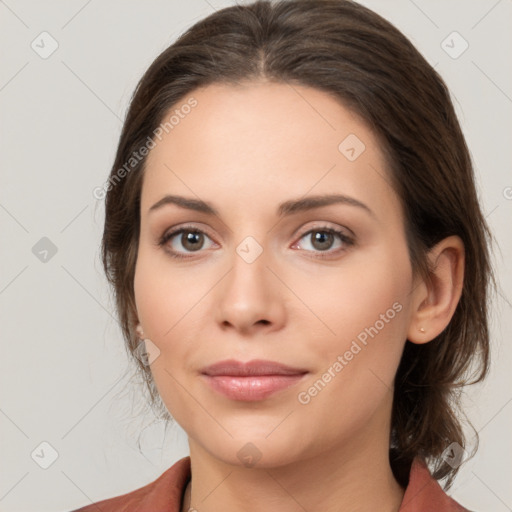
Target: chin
(255, 451)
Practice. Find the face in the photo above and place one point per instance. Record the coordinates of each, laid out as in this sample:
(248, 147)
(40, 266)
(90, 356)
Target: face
(323, 288)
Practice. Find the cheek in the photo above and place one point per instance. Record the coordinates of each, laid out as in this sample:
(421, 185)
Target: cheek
(357, 364)
(164, 295)
(363, 313)
(164, 299)
(361, 294)
(170, 301)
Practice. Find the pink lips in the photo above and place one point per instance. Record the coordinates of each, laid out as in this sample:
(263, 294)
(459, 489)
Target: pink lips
(251, 381)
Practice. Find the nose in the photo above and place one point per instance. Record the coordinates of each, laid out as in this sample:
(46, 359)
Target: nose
(250, 298)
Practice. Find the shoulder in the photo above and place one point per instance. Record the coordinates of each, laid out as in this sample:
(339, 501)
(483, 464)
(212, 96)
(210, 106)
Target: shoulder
(424, 493)
(162, 495)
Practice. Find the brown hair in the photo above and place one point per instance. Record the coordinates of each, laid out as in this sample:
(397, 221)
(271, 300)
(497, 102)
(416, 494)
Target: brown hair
(350, 52)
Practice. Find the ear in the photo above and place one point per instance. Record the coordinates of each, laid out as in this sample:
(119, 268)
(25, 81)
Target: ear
(139, 331)
(434, 302)
(135, 323)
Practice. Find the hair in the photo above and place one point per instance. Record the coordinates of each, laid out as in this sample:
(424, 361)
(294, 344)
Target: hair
(348, 51)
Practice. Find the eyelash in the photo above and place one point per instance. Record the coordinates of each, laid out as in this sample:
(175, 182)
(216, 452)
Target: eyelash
(348, 241)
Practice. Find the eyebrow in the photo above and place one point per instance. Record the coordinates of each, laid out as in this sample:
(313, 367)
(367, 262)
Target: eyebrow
(287, 208)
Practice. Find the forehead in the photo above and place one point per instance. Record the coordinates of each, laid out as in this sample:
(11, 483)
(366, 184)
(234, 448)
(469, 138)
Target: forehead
(252, 143)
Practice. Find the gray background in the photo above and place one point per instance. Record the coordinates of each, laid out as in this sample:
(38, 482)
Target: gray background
(63, 361)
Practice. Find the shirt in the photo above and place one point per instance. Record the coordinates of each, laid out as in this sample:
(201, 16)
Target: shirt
(165, 494)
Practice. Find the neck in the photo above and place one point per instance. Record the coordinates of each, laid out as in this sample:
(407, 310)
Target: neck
(353, 477)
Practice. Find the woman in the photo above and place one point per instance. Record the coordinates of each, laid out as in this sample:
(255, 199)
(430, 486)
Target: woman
(300, 263)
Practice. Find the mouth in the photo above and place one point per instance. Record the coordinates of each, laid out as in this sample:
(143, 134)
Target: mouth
(251, 381)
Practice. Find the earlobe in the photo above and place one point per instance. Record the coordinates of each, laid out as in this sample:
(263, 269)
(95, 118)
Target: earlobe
(435, 301)
(140, 332)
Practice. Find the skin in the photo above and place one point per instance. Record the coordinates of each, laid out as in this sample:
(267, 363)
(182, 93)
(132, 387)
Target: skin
(245, 149)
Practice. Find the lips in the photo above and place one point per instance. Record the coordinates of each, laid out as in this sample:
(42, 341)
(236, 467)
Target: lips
(251, 381)
(254, 367)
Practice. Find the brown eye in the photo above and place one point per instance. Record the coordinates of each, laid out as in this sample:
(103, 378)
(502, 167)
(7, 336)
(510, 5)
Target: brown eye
(184, 240)
(322, 240)
(192, 240)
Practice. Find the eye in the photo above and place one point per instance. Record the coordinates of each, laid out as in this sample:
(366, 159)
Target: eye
(191, 239)
(322, 239)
